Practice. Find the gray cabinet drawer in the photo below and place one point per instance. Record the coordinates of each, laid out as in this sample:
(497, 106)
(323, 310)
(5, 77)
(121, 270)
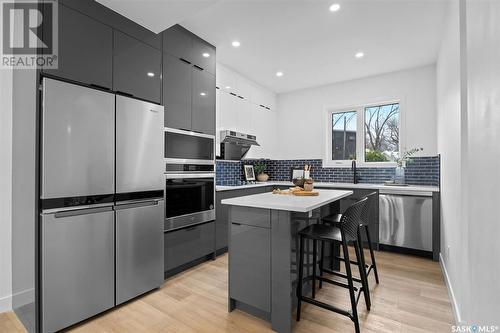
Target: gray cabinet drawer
(250, 216)
(185, 245)
(222, 226)
(250, 266)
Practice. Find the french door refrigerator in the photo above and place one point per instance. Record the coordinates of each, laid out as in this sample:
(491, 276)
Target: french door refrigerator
(101, 201)
(139, 197)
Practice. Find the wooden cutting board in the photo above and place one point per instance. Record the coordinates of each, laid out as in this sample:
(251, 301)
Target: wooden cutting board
(306, 193)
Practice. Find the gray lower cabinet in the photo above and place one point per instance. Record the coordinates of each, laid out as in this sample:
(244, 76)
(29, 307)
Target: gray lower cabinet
(136, 68)
(222, 214)
(203, 99)
(250, 277)
(177, 92)
(188, 244)
(85, 49)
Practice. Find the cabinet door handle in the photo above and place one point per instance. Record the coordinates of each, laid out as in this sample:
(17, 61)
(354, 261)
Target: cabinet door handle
(198, 67)
(235, 223)
(186, 61)
(241, 97)
(233, 94)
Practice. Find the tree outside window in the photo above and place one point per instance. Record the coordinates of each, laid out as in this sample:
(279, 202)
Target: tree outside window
(382, 133)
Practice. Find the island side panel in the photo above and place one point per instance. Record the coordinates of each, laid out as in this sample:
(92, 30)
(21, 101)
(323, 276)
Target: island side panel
(281, 267)
(250, 261)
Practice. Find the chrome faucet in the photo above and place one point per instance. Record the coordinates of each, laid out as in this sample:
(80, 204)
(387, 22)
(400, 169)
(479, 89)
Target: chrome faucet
(354, 176)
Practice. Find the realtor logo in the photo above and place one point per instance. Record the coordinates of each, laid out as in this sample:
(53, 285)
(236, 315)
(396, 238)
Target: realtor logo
(29, 34)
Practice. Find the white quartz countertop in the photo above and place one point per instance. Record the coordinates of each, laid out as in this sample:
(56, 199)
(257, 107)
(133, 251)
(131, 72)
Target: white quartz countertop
(415, 189)
(288, 202)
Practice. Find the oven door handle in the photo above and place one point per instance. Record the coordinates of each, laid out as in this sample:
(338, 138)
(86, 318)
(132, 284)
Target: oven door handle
(189, 175)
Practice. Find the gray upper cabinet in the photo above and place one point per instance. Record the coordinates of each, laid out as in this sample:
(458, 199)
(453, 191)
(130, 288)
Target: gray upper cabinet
(188, 81)
(178, 42)
(203, 108)
(203, 55)
(136, 68)
(116, 21)
(85, 49)
(177, 92)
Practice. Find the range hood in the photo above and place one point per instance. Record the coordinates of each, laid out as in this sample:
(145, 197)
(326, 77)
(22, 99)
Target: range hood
(235, 145)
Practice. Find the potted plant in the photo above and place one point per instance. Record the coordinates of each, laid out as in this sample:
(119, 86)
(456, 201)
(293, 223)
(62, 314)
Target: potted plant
(399, 177)
(260, 170)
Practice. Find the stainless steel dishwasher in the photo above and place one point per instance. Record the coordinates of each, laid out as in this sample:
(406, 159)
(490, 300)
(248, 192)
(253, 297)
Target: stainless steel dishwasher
(405, 220)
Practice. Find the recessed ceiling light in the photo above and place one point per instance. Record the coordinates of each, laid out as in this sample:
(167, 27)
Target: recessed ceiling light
(279, 74)
(203, 94)
(236, 43)
(359, 55)
(151, 74)
(206, 55)
(335, 7)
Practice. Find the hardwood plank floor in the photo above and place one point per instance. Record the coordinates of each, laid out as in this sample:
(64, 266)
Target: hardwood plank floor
(411, 297)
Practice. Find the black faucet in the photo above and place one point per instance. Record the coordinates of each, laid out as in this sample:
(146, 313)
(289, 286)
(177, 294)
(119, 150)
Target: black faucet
(354, 176)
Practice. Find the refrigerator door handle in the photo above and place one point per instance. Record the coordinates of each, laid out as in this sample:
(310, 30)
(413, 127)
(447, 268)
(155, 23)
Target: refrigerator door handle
(84, 211)
(137, 204)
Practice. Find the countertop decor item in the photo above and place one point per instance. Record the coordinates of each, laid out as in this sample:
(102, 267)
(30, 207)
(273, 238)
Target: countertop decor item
(249, 172)
(399, 176)
(308, 185)
(260, 170)
(298, 181)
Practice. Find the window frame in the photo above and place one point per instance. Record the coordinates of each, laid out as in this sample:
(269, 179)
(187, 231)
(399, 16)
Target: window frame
(360, 139)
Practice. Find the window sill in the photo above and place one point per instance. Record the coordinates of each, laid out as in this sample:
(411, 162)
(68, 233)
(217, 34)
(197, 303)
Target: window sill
(348, 164)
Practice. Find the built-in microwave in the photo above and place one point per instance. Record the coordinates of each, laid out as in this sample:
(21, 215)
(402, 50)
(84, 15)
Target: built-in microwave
(185, 147)
(189, 194)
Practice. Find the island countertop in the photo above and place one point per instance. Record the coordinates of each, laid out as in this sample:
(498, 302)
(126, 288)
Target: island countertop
(288, 202)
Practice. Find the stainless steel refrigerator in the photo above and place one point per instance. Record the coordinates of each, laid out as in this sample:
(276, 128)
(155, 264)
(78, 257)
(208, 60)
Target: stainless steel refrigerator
(101, 201)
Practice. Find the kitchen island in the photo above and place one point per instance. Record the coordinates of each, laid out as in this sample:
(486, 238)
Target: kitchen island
(263, 251)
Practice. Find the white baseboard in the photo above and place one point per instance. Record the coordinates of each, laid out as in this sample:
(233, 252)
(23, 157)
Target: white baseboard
(24, 297)
(454, 304)
(6, 303)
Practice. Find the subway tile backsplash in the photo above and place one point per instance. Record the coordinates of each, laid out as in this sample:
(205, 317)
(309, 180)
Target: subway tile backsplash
(421, 171)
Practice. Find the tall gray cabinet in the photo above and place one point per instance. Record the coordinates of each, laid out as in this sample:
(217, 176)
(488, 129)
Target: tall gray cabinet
(189, 81)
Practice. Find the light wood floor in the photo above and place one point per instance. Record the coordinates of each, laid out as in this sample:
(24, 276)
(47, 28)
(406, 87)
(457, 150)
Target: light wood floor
(411, 297)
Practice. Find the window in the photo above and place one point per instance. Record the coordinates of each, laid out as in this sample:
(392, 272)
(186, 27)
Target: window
(344, 127)
(382, 133)
(368, 134)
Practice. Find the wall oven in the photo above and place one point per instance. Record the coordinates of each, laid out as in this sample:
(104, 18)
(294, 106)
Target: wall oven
(189, 194)
(186, 147)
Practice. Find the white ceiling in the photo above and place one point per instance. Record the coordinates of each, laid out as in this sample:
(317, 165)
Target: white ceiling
(157, 15)
(314, 46)
(302, 38)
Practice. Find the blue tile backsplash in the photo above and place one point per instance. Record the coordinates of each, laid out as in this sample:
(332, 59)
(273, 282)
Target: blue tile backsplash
(421, 171)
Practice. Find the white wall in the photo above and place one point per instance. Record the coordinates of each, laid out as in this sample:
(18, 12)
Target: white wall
(449, 144)
(468, 81)
(5, 189)
(483, 160)
(301, 114)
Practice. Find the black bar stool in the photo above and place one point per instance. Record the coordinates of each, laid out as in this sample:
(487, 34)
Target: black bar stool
(345, 232)
(364, 224)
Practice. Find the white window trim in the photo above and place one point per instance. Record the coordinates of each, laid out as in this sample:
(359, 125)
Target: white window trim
(360, 139)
